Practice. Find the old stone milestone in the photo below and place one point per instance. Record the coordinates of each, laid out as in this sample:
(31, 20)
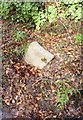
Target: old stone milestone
(37, 56)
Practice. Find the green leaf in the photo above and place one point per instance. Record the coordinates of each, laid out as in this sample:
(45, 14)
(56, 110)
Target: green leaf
(79, 38)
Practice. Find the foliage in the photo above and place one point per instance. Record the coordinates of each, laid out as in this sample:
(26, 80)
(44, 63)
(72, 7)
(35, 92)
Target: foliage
(28, 10)
(71, 1)
(20, 11)
(49, 14)
(79, 38)
(71, 10)
(4, 8)
(19, 35)
(33, 12)
(74, 12)
(64, 91)
(39, 19)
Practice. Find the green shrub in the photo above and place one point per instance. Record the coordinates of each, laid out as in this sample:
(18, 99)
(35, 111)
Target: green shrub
(71, 10)
(28, 12)
(33, 12)
(5, 8)
(21, 12)
(79, 38)
(51, 13)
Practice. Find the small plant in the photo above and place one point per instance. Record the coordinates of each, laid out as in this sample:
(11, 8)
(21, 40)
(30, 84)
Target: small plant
(64, 91)
(21, 49)
(79, 38)
(19, 35)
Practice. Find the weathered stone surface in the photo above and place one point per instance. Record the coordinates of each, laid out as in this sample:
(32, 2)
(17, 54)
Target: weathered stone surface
(37, 56)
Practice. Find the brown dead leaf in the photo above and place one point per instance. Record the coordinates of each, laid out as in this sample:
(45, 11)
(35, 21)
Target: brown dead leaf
(70, 49)
(17, 67)
(40, 114)
(70, 31)
(39, 96)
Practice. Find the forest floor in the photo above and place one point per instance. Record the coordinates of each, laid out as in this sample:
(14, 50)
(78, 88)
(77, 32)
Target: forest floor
(32, 93)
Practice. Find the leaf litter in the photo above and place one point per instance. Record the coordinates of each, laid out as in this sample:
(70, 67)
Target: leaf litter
(29, 92)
